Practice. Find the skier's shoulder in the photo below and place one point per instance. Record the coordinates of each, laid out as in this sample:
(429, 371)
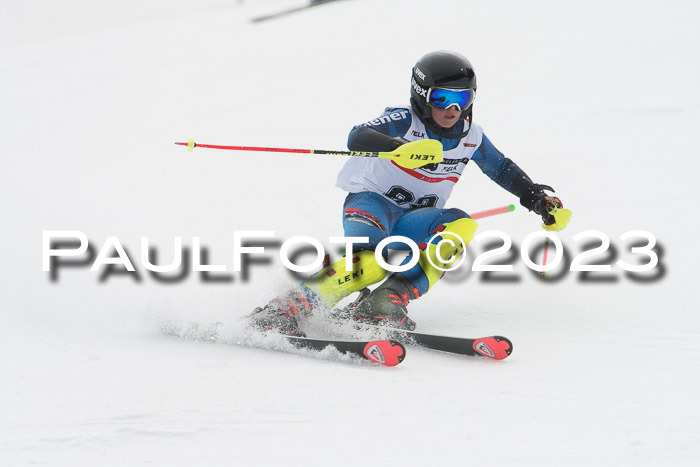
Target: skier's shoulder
(476, 128)
(485, 149)
(475, 137)
(393, 114)
(403, 110)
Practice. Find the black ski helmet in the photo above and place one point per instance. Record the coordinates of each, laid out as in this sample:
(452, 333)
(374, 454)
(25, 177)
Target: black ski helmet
(442, 69)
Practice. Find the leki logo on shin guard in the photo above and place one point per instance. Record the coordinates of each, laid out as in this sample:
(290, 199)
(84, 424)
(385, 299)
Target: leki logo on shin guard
(350, 277)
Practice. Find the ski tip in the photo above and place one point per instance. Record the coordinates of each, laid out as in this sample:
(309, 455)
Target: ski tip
(511, 207)
(495, 347)
(388, 353)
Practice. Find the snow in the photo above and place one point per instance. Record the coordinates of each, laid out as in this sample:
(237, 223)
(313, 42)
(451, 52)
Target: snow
(598, 99)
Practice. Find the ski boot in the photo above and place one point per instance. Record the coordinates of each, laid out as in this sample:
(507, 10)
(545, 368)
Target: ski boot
(280, 315)
(386, 305)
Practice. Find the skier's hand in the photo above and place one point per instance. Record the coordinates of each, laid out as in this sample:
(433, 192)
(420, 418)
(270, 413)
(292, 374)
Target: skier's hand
(554, 216)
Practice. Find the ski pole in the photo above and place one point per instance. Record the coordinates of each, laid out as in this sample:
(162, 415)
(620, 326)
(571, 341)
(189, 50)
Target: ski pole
(410, 155)
(544, 256)
(493, 212)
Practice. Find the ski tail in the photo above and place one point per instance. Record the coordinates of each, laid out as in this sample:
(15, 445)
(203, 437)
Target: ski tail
(382, 352)
(495, 347)
(389, 353)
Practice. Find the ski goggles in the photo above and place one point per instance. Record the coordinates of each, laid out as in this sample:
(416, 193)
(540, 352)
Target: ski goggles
(441, 98)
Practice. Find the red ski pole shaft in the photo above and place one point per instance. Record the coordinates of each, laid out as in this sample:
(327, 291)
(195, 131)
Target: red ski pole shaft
(191, 145)
(544, 255)
(251, 148)
(493, 212)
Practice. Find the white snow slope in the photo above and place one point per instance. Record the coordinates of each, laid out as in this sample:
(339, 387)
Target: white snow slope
(597, 98)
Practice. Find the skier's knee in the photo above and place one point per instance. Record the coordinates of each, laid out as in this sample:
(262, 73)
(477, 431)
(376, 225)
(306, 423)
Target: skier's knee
(463, 228)
(456, 213)
(374, 235)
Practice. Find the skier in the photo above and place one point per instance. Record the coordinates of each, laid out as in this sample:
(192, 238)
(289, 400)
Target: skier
(386, 199)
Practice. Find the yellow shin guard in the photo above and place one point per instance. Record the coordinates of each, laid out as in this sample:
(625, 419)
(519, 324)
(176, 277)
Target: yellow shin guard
(449, 251)
(334, 283)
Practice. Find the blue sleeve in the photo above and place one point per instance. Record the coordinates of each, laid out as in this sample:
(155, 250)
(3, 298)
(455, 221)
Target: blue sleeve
(500, 169)
(394, 122)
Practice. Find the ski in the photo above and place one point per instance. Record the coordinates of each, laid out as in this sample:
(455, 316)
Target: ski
(383, 352)
(493, 347)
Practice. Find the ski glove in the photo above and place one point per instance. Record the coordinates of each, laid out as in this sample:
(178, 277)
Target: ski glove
(555, 218)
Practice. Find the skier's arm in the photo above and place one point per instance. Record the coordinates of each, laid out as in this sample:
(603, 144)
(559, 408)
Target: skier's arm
(501, 169)
(508, 175)
(382, 134)
(364, 138)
